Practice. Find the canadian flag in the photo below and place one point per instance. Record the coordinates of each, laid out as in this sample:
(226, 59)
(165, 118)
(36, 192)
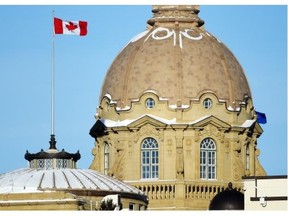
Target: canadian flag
(70, 27)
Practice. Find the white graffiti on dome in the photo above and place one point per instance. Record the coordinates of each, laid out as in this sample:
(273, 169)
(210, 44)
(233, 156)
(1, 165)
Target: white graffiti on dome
(167, 33)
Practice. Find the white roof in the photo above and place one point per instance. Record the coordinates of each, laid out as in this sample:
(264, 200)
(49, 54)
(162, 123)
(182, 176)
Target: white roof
(32, 181)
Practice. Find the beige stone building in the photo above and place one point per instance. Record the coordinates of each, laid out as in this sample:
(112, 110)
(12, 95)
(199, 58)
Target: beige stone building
(176, 116)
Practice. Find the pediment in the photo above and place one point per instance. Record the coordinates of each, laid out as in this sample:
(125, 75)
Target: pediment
(258, 128)
(252, 127)
(147, 120)
(211, 120)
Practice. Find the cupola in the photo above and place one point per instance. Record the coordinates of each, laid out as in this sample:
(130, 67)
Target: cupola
(52, 158)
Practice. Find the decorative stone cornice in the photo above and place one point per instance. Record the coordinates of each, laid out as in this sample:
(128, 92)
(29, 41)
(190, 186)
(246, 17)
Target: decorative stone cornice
(176, 15)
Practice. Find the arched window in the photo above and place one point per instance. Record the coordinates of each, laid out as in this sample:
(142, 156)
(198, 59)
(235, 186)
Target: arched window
(106, 158)
(247, 157)
(208, 159)
(149, 158)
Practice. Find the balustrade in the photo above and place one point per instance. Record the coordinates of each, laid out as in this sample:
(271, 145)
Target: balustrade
(165, 190)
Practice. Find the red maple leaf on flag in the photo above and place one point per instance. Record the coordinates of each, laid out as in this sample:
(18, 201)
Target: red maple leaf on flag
(71, 26)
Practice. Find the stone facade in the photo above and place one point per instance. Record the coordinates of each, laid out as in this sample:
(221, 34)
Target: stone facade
(179, 181)
(179, 89)
(73, 200)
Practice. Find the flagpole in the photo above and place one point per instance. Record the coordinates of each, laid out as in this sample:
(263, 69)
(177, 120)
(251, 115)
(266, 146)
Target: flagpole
(52, 76)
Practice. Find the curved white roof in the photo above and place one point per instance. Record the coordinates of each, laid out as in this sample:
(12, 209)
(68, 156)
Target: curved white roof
(36, 180)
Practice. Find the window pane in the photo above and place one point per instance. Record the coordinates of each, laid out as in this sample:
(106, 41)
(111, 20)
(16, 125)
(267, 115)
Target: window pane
(65, 163)
(211, 172)
(201, 157)
(150, 103)
(204, 158)
(154, 171)
(203, 174)
(145, 171)
(213, 158)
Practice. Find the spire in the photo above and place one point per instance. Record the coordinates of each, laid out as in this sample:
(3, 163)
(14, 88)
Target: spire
(179, 15)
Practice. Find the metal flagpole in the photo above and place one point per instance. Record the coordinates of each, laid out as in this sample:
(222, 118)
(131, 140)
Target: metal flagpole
(52, 136)
(52, 76)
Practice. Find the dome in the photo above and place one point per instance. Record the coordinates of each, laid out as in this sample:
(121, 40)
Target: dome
(53, 182)
(229, 199)
(38, 180)
(178, 59)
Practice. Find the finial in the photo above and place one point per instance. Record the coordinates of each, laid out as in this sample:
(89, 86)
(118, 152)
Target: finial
(52, 142)
(230, 186)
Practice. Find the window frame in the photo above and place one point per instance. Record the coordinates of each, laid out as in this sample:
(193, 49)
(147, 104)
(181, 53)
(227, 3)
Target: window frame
(208, 162)
(106, 158)
(149, 158)
(150, 103)
(247, 157)
(131, 206)
(62, 163)
(207, 103)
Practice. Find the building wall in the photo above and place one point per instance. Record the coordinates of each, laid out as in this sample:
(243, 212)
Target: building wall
(60, 200)
(179, 185)
(38, 201)
(273, 189)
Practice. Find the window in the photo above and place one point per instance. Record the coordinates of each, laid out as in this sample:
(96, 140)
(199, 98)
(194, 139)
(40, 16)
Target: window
(131, 206)
(62, 163)
(150, 103)
(149, 158)
(41, 164)
(208, 159)
(32, 164)
(65, 163)
(247, 157)
(106, 158)
(44, 164)
(48, 163)
(59, 163)
(207, 103)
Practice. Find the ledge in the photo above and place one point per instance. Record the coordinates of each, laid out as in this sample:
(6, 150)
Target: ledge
(267, 198)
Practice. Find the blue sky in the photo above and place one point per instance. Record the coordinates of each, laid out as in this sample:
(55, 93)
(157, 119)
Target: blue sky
(257, 35)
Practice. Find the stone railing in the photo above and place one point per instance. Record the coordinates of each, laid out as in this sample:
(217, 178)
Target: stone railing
(165, 190)
(157, 190)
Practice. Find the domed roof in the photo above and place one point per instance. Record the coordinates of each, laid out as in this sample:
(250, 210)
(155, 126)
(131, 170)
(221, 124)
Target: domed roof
(176, 58)
(229, 199)
(53, 171)
(38, 180)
